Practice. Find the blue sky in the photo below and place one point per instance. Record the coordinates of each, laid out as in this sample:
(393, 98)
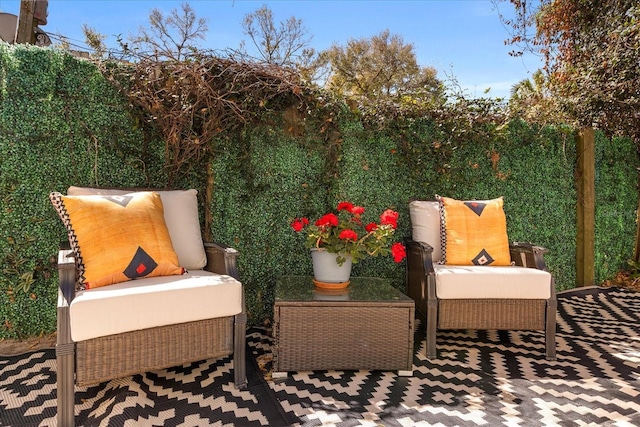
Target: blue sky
(460, 38)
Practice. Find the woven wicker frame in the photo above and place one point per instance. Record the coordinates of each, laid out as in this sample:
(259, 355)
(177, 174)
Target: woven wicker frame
(105, 358)
(524, 314)
(332, 337)
(501, 314)
(343, 335)
(133, 352)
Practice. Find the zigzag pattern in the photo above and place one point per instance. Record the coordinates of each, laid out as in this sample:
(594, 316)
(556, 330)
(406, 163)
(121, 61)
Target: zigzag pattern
(198, 394)
(480, 378)
(61, 209)
(496, 377)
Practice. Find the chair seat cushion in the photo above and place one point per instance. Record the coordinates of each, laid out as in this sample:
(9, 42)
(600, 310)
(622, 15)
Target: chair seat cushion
(152, 302)
(502, 282)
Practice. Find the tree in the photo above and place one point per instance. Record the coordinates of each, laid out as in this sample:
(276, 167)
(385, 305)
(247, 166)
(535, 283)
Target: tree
(285, 45)
(95, 41)
(532, 100)
(379, 67)
(591, 50)
(168, 37)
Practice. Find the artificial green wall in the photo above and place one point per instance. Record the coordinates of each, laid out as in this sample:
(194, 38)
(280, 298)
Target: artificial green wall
(62, 124)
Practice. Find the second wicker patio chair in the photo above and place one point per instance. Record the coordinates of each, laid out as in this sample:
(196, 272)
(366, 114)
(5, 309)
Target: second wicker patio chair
(457, 284)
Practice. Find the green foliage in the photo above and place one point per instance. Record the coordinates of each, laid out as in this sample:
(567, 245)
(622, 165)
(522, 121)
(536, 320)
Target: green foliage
(591, 54)
(64, 124)
(616, 189)
(532, 170)
(380, 67)
(262, 181)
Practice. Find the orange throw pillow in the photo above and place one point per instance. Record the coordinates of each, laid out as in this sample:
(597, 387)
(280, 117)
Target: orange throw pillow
(117, 238)
(474, 232)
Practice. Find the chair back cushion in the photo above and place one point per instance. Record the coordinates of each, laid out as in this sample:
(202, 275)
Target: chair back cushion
(181, 217)
(425, 225)
(117, 238)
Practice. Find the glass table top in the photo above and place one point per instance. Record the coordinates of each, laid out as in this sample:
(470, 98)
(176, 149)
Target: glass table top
(301, 288)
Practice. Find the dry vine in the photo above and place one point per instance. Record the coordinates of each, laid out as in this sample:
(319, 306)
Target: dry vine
(192, 102)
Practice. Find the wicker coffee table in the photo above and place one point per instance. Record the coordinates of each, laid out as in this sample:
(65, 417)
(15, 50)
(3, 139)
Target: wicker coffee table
(367, 326)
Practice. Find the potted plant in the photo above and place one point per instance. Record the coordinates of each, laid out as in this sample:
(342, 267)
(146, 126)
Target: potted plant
(341, 238)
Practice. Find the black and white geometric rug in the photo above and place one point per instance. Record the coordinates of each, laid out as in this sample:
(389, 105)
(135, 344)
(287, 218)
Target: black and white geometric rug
(495, 378)
(485, 378)
(198, 394)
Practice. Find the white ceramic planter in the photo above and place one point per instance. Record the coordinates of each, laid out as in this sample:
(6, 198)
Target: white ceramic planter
(326, 268)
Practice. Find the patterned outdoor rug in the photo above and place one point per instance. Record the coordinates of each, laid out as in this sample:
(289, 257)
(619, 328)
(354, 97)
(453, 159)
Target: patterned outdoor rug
(480, 378)
(199, 394)
(495, 378)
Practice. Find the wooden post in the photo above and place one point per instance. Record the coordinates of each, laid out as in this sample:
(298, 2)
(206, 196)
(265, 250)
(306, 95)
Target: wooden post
(25, 31)
(208, 198)
(636, 252)
(585, 185)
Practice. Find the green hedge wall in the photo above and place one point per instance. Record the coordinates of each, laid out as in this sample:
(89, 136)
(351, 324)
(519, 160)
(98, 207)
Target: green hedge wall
(534, 174)
(616, 191)
(62, 124)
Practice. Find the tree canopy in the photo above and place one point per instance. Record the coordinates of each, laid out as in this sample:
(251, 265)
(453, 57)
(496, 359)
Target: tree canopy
(379, 67)
(592, 52)
(283, 45)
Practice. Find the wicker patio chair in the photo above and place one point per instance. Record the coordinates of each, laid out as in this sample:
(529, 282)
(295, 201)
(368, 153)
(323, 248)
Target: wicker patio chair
(520, 296)
(136, 350)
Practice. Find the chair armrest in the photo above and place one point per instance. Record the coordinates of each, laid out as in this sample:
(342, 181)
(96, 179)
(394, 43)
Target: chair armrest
(419, 255)
(420, 274)
(526, 254)
(221, 259)
(66, 276)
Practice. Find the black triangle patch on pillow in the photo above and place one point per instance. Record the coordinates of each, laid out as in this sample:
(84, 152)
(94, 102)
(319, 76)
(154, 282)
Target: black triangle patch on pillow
(483, 258)
(141, 265)
(476, 207)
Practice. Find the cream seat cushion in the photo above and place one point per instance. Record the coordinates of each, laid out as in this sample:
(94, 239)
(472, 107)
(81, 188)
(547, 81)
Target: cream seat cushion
(181, 217)
(508, 282)
(152, 302)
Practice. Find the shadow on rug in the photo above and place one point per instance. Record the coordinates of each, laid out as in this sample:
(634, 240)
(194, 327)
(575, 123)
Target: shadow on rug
(492, 377)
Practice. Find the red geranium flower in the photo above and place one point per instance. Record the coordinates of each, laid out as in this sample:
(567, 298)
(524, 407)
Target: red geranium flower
(299, 223)
(348, 235)
(344, 233)
(329, 219)
(398, 252)
(357, 210)
(389, 217)
(345, 206)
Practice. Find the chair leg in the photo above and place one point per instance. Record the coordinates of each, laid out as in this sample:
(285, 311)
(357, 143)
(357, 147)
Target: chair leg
(432, 327)
(550, 332)
(65, 369)
(239, 351)
(65, 389)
